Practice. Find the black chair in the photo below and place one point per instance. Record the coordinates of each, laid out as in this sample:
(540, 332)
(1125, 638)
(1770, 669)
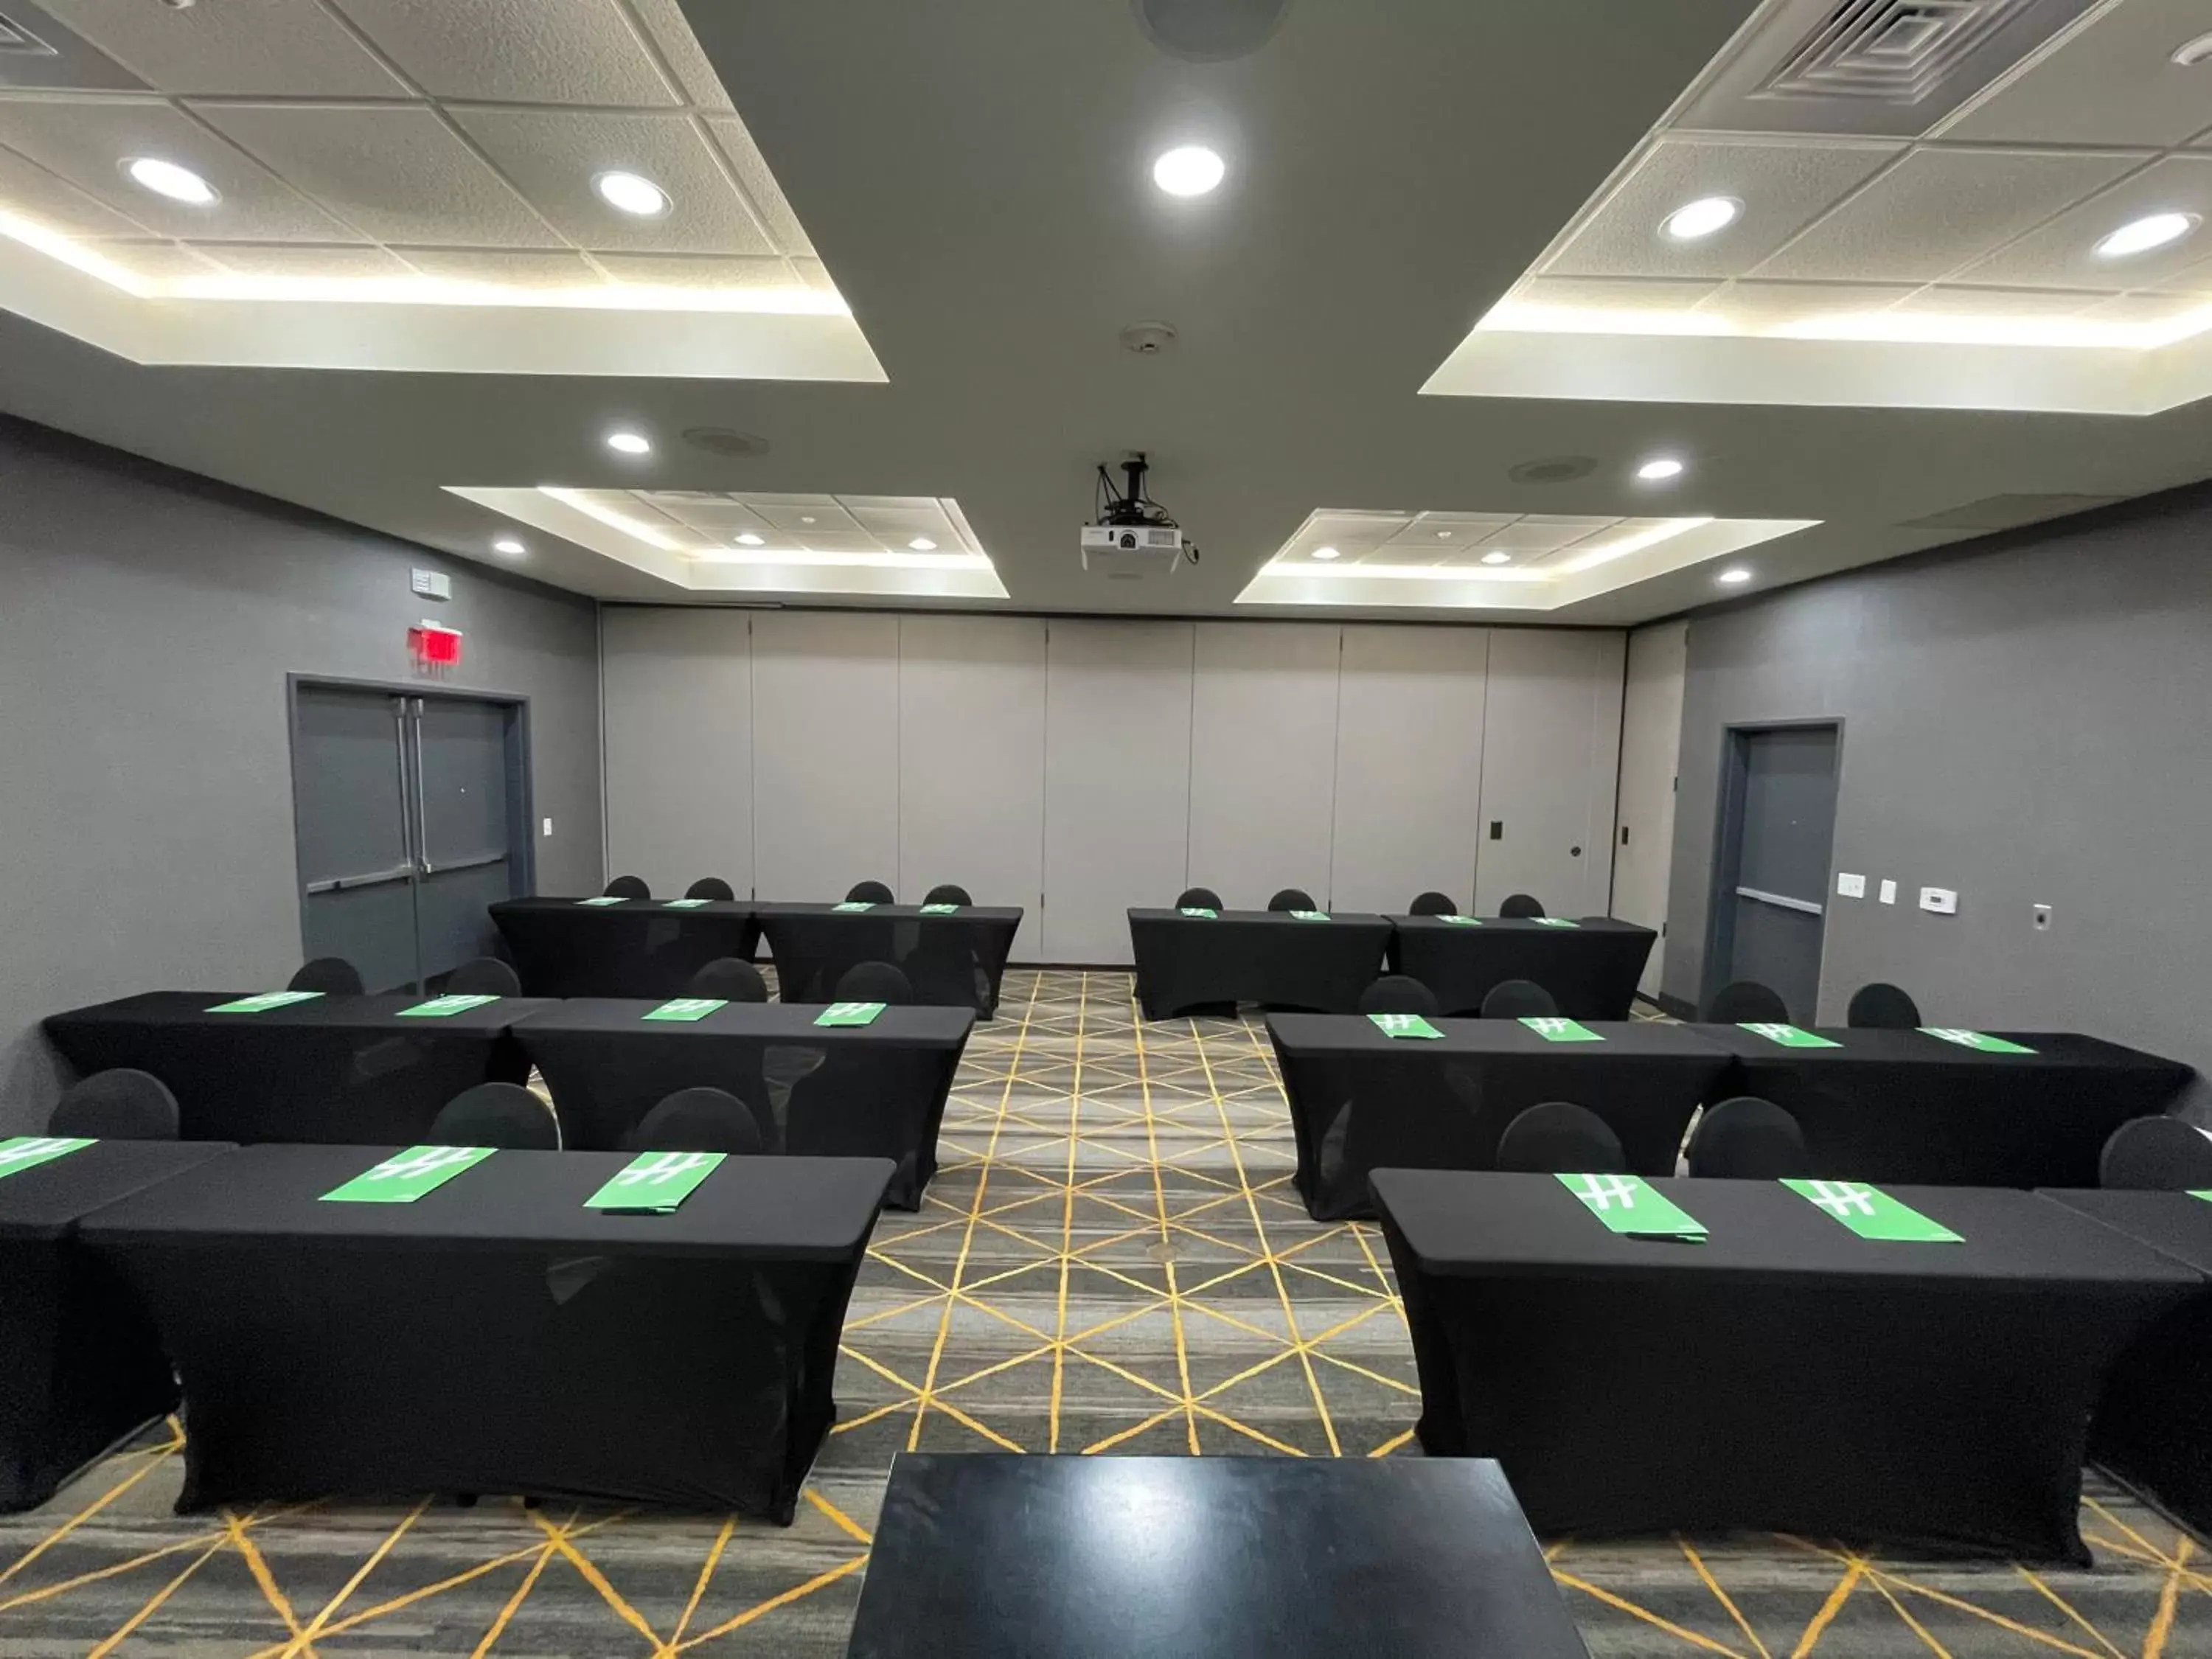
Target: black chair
(1292, 898)
(697, 1121)
(504, 1115)
(630, 887)
(484, 976)
(1432, 904)
(1745, 1002)
(1520, 904)
(334, 976)
(1399, 993)
(1560, 1138)
(869, 892)
(116, 1105)
(710, 887)
(2157, 1154)
(874, 981)
(1884, 1007)
(1747, 1138)
(1199, 898)
(948, 893)
(1519, 999)
(731, 978)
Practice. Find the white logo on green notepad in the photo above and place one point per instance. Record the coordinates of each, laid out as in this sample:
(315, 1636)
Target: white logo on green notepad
(1601, 1192)
(34, 1149)
(668, 1167)
(424, 1160)
(1840, 1197)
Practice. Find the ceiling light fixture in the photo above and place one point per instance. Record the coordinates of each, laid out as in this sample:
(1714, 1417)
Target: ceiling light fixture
(632, 193)
(2189, 54)
(1325, 554)
(1190, 170)
(1443, 535)
(1659, 469)
(509, 545)
(167, 179)
(1734, 576)
(1695, 221)
(1498, 556)
(806, 518)
(630, 443)
(2142, 235)
(922, 544)
(750, 540)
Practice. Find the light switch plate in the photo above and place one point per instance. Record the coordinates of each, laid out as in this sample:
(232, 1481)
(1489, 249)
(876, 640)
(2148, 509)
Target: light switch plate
(2042, 914)
(1851, 886)
(1941, 900)
(1889, 892)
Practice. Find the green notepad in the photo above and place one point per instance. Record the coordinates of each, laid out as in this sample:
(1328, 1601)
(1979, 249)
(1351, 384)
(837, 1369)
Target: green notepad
(1789, 1036)
(1404, 1025)
(1554, 921)
(683, 904)
(686, 1009)
(853, 904)
(1310, 915)
(1873, 1214)
(606, 898)
(1980, 1041)
(29, 1151)
(1460, 921)
(441, 1007)
(849, 1013)
(1629, 1204)
(266, 999)
(2200, 1192)
(939, 910)
(405, 1176)
(1203, 915)
(655, 1183)
(1555, 1028)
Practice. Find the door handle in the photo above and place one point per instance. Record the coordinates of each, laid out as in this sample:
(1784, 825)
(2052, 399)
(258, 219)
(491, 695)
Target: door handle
(399, 747)
(422, 817)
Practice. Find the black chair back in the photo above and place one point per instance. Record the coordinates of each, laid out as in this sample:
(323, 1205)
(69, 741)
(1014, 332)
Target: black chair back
(2157, 1154)
(731, 978)
(1519, 999)
(947, 892)
(1560, 1138)
(628, 887)
(1432, 904)
(334, 976)
(1520, 904)
(116, 1105)
(1199, 898)
(1883, 1006)
(1745, 1002)
(697, 1121)
(1747, 1138)
(504, 1115)
(875, 981)
(1398, 994)
(866, 892)
(1292, 898)
(484, 976)
(711, 887)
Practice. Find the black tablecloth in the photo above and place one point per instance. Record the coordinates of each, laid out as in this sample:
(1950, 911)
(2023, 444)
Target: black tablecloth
(80, 1365)
(336, 1069)
(1267, 957)
(1786, 1374)
(1905, 1106)
(875, 1091)
(954, 960)
(991, 1556)
(1361, 1100)
(1590, 969)
(564, 947)
(494, 1336)
(2154, 1425)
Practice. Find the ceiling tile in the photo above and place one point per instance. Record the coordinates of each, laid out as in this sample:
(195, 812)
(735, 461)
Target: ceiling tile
(1937, 210)
(721, 518)
(2144, 308)
(813, 274)
(1542, 533)
(792, 512)
(759, 185)
(665, 21)
(2061, 254)
(55, 202)
(516, 52)
(820, 540)
(87, 141)
(553, 156)
(1441, 532)
(699, 271)
(505, 267)
(633, 504)
(1616, 293)
(346, 263)
(59, 59)
(248, 47)
(1782, 187)
(2114, 82)
(1757, 304)
(158, 262)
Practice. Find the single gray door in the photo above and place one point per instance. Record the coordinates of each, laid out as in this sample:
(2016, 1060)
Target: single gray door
(1778, 828)
(465, 822)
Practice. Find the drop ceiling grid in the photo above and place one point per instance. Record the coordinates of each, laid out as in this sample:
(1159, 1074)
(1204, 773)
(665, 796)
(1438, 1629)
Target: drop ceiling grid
(842, 524)
(1533, 538)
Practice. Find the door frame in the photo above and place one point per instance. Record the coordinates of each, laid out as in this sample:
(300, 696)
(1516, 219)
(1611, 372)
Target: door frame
(1728, 842)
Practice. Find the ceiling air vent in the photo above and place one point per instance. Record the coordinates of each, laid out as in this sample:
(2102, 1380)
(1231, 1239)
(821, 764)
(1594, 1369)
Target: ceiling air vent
(1896, 50)
(15, 38)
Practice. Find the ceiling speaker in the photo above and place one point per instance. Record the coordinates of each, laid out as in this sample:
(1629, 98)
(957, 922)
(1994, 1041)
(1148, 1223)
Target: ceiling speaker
(721, 441)
(1210, 30)
(1559, 469)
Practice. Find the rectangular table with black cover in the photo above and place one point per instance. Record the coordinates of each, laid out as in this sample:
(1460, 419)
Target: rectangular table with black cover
(1360, 1100)
(335, 1069)
(80, 1363)
(1590, 969)
(565, 947)
(1888, 1105)
(1786, 1374)
(1268, 957)
(998, 1557)
(495, 1335)
(953, 959)
(873, 1090)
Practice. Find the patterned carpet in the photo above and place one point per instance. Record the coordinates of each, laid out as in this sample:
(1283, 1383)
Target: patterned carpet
(1110, 1260)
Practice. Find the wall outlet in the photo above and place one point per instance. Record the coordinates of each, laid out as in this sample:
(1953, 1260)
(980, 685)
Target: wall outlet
(2041, 913)
(548, 829)
(1941, 900)
(1889, 892)
(1851, 886)
(432, 584)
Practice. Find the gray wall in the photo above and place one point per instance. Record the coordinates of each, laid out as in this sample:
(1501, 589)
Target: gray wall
(147, 620)
(2029, 721)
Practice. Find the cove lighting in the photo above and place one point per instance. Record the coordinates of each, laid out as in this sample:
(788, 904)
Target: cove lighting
(167, 179)
(628, 192)
(1695, 221)
(2142, 235)
(1190, 170)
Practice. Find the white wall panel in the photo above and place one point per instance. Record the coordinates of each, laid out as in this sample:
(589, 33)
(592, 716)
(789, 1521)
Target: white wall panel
(971, 761)
(1408, 765)
(1551, 749)
(1651, 747)
(1117, 780)
(1262, 760)
(677, 689)
(825, 752)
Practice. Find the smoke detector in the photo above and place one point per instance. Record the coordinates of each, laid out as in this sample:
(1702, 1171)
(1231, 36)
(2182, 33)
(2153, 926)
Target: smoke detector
(1148, 339)
(1559, 469)
(1210, 30)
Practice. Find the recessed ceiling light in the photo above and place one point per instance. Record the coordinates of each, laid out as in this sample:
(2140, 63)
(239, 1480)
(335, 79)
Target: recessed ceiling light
(630, 443)
(1697, 220)
(806, 518)
(630, 192)
(922, 544)
(2189, 54)
(509, 545)
(2142, 235)
(1191, 170)
(1443, 535)
(750, 540)
(167, 179)
(1734, 575)
(1324, 554)
(1498, 556)
(1659, 468)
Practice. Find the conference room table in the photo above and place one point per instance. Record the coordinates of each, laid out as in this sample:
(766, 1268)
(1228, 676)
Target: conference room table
(496, 1334)
(1363, 1100)
(1590, 966)
(1905, 1105)
(1785, 1373)
(954, 956)
(323, 1068)
(621, 947)
(873, 1090)
(1188, 960)
(80, 1363)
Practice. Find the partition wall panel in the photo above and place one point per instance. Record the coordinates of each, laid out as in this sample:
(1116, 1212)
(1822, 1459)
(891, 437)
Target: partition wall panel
(825, 752)
(1550, 752)
(677, 687)
(1263, 748)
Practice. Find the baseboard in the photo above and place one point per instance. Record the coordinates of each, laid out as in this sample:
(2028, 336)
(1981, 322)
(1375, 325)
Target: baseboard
(1673, 1005)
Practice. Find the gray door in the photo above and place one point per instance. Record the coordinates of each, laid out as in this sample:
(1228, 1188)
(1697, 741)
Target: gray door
(1551, 749)
(465, 825)
(1778, 828)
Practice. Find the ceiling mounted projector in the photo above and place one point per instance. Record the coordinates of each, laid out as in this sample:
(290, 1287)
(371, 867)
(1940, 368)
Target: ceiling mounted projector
(1134, 537)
